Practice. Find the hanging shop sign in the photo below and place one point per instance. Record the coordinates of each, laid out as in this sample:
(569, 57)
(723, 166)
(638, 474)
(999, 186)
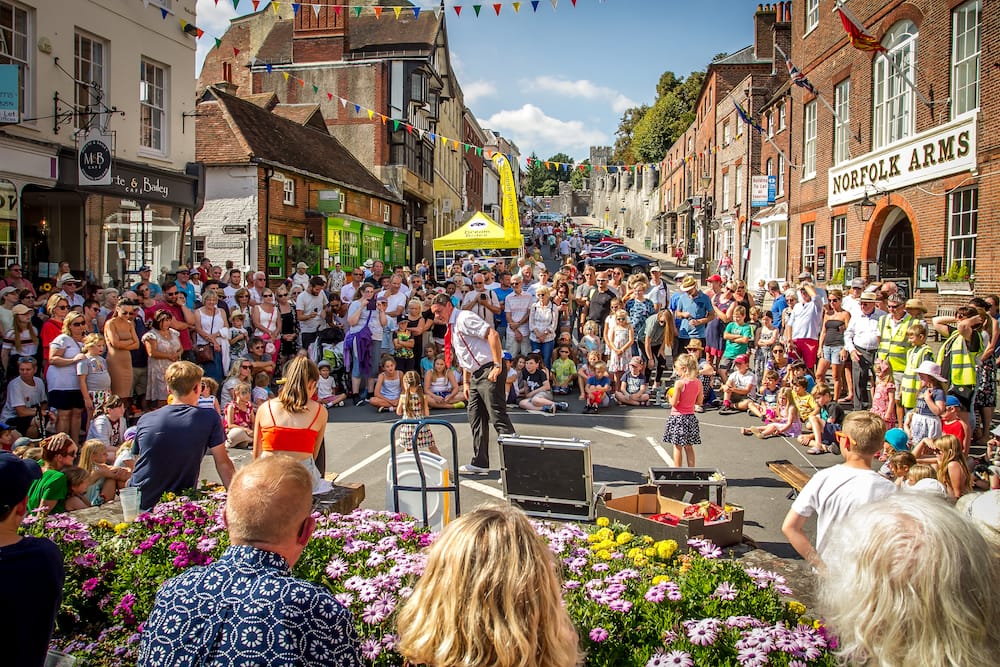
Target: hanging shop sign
(95, 158)
(10, 94)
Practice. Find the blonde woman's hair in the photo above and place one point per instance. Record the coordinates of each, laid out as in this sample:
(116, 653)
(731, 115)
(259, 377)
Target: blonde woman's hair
(497, 582)
(19, 328)
(92, 340)
(951, 450)
(71, 316)
(89, 451)
(53, 301)
(590, 328)
(867, 430)
(294, 394)
(911, 582)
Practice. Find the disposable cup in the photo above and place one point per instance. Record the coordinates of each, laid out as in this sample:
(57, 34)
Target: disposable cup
(130, 502)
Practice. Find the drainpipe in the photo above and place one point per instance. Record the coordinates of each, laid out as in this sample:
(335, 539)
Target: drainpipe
(268, 174)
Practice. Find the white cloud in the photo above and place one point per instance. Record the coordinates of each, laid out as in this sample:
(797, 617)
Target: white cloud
(214, 20)
(580, 88)
(529, 126)
(477, 90)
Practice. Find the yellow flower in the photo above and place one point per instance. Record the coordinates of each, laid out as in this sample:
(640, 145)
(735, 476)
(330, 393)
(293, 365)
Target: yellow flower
(634, 552)
(603, 521)
(660, 579)
(606, 533)
(121, 527)
(646, 539)
(666, 548)
(593, 537)
(624, 538)
(796, 607)
(641, 561)
(169, 495)
(649, 551)
(604, 554)
(104, 523)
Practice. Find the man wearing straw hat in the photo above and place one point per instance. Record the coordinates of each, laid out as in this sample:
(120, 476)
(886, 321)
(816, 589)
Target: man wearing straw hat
(694, 310)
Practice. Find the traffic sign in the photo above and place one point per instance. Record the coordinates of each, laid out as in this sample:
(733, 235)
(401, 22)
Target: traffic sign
(234, 229)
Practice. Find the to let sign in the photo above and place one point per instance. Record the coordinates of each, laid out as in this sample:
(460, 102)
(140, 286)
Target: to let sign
(759, 191)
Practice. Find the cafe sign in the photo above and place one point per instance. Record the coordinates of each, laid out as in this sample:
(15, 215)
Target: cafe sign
(95, 158)
(942, 151)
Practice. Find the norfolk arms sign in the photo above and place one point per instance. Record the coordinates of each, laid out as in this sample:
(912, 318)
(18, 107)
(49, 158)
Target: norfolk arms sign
(942, 151)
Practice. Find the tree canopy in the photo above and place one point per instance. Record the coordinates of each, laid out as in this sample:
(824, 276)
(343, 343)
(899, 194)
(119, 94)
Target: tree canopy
(541, 181)
(646, 133)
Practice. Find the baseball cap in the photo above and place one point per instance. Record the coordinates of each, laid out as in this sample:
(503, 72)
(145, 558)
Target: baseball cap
(507, 356)
(182, 269)
(20, 309)
(741, 359)
(897, 439)
(953, 402)
(301, 265)
(130, 433)
(16, 476)
(714, 278)
(144, 268)
(323, 363)
(654, 269)
(7, 290)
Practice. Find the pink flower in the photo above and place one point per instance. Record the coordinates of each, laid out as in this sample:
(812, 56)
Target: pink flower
(598, 635)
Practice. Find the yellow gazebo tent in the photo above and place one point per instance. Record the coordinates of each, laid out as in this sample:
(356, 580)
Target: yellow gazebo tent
(480, 232)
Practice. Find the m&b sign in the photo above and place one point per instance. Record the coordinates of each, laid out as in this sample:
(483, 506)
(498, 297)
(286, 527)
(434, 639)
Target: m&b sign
(95, 159)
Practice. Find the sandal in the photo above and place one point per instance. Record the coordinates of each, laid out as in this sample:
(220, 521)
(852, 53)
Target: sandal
(746, 431)
(815, 451)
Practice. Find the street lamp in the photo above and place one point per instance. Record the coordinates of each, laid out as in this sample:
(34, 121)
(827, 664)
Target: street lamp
(866, 208)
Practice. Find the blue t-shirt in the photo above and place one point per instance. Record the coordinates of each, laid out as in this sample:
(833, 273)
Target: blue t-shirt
(698, 307)
(593, 381)
(501, 293)
(777, 308)
(170, 444)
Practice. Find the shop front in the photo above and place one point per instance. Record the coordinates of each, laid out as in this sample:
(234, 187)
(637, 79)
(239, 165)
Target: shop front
(107, 232)
(23, 164)
(351, 242)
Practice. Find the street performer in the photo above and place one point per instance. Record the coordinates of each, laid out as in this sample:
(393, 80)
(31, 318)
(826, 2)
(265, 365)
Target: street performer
(477, 348)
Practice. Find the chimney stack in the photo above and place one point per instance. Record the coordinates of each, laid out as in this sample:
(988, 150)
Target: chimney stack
(764, 20)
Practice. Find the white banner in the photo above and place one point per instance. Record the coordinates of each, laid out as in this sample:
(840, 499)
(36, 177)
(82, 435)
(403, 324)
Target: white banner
(94, 164)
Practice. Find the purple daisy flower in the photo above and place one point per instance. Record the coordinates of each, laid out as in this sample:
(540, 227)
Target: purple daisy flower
(371, 648)
(655, 594)
(336, 568)
(598, 635)
(703, 632)
(677, 659)
(725, 591)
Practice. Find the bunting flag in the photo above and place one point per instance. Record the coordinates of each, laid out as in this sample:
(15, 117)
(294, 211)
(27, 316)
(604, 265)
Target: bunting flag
(860, 39)
(746, 118)
(798, 78)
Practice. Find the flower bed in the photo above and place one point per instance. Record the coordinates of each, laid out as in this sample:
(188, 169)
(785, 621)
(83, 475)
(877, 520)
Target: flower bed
(634, 601)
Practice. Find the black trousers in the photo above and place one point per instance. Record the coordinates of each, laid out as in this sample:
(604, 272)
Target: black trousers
(486, 406)
(863, 374)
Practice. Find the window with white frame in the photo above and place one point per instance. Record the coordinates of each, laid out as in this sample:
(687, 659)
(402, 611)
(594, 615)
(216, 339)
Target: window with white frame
(153, 106)
(769, 167)
(963, 220)
(725, 134)
(965, 57)
(288, 196)
(808, 247)
(738, 194)
(729, 240)
(725, 191)
(839, 243)
(769, 122)
(774, 246)
(809, 140)
(893, 115)
(842, 122)
(781, 176)
(812, 14)
(15, 47)
(781, 116)
(89, 66)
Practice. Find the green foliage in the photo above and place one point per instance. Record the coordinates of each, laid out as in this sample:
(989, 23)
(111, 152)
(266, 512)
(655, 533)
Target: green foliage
(622, 153)
(838, 277)
(300, 250)
(957, 272)
(576, 178)
(963, 272)
(646, 133)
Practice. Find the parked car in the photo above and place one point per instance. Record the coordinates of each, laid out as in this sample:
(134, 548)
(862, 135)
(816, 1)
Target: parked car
(597, 235)
(602, 250)
(630, 262)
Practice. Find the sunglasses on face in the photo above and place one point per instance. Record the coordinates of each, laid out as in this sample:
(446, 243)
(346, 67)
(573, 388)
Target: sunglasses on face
(61, 307)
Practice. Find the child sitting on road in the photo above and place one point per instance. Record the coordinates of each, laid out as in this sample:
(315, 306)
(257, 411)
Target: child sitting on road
(633, 389)
(586, 371)
(207, 398)
(514, 386)
(388, 386)
(598, 388)
(804, 401)
(821, 428)
(900, 464)
(895, 442)
(787, 423)
(563, 371)
(738, 387)
(327, 392)
(443, 392)
(427, 361)
(239, 417)
(766, 405)
(538, 390)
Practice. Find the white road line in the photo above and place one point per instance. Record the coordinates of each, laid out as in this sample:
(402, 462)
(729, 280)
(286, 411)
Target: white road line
(611, 431)
(483, 488)
(718, 425)
(669, 460)
(371, 459)
(798, 450)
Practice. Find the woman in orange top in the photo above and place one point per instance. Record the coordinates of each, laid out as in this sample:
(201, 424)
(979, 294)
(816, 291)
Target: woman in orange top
(293, 424)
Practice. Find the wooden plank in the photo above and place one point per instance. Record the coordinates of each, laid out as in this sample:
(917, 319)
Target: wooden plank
(789, 473)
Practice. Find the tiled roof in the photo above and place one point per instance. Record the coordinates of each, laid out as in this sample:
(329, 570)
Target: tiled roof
(263, 100)
(277, 46)
(281, 141)
(744, 56)
(297, 113)
(216, 140)
(368, 33)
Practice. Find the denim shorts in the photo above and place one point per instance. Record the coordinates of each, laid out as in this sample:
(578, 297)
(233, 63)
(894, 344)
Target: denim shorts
(832, 353)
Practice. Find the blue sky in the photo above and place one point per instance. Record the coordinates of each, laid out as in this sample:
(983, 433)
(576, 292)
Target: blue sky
(558, 80)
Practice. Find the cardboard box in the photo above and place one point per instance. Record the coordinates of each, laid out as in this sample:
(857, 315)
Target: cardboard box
(689, 485)
(635, 510)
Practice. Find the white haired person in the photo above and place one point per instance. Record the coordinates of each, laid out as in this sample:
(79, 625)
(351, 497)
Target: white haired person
(911, 582)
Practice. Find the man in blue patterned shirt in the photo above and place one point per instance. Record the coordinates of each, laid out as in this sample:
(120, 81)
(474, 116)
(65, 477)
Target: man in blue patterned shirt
(247, 608)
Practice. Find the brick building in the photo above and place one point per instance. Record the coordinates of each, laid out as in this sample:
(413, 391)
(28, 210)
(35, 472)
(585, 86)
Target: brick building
(273, 171)
(917, 137)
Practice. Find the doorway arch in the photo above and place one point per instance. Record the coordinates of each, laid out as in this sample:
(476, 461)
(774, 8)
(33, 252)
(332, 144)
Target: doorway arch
(896, 248)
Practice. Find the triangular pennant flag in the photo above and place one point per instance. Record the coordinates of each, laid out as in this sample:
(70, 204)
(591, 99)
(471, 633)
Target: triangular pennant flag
(163, 13)
(385, 119)
(476, 9)
(255, 3)
(343, 102)
(437, 10)
(416, 12)
(253, 61)
(184, 24)
(479, 151)
(218, 42)
(275, 6)
(516, 6)
(409, 129)
(199, 33)
(316, 9)
(396, 11)
(302, 82)
(378, 12)
(268, 66)
(555, 3)
(315, 89)
(433, 137)
(371, 114)
(534, 5)
(236, 51)
(336, 9)
(357, 108)
(329, 97)
(574, 2)
(145, 3)
(357, 11)
(455, 143)
(395, 125)
(236, 3)
(496, 8)
(458, 10)
(295, 8)
(444, 141)
(285, 74)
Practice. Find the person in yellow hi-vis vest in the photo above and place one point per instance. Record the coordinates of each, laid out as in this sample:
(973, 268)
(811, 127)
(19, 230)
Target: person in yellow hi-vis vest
(894, 342)
(959, 355)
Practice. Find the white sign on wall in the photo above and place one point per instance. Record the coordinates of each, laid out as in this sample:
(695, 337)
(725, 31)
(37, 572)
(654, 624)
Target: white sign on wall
(941, 151)
(95, 159)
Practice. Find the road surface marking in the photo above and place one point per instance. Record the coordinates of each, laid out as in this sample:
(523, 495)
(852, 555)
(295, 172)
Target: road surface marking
(798, 450)
(611, 431)
(483, 488)
(669, 460)
(371, 459)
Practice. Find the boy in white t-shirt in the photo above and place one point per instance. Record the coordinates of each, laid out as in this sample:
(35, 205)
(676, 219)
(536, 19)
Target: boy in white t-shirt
(834, 492)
